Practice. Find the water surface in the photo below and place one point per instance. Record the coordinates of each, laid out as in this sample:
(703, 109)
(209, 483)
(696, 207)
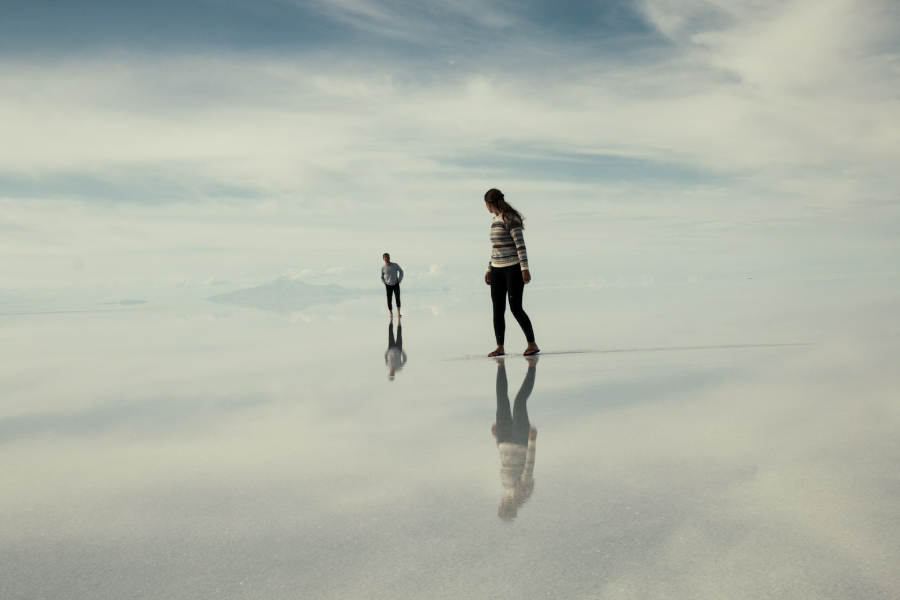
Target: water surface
(724, 440)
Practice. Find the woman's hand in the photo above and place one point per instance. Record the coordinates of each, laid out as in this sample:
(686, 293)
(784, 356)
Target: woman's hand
(526, 276)
(487, 277)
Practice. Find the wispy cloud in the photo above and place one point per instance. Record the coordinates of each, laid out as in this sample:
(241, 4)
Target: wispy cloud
(209, 281)
(784, 87)
(424, 21)
(759, 109)
(315, 273)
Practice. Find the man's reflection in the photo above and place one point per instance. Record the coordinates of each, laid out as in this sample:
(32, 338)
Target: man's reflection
(515, 439)
(394, 357)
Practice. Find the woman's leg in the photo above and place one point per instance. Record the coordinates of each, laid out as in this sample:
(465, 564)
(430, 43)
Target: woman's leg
(504, 428)
(498, 298)
(520, 423)
(516, 289)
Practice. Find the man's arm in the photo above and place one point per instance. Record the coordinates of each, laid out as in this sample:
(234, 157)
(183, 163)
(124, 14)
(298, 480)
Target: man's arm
(399, 274)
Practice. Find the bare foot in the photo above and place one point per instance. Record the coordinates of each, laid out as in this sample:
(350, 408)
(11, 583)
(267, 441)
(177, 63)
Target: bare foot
(498, 352)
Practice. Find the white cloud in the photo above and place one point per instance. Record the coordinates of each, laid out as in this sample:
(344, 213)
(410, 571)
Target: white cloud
(337, 270)
(772, 88)
(422, 21)
(315, 273)
(433, 271)
(300, 274)
(243, 161)
(210, 281)
(216, 281)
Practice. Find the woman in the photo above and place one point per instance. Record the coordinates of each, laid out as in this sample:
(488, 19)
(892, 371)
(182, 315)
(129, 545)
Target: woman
(507, 272)
(515, 438)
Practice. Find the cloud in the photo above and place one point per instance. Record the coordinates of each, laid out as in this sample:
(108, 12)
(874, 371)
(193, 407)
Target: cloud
(210, 281)
(337, 270)
(421, 21)
(747, 92)
(680, 111)
(216, 281)
(300, 274)
(315, 273)
(433, 271)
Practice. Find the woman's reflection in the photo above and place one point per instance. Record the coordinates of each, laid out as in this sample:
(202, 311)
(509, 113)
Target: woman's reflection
(515, 439)
(394, 356)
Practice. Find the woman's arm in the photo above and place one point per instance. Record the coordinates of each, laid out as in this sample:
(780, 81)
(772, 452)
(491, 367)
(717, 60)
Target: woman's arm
(519, 238)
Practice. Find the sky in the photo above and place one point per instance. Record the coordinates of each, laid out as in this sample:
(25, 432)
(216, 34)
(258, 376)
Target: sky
(209, 145)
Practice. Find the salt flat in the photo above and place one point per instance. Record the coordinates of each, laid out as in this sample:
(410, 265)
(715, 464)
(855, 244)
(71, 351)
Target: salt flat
(732, 439)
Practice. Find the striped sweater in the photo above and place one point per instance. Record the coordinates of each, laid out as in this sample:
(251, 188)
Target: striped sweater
(507, 245)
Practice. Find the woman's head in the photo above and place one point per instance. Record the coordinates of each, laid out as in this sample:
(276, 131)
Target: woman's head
(498, 205)
(493, 196)
(514, 499)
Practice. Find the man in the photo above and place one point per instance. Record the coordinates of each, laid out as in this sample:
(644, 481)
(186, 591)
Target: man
(391, 276)
(395, 356)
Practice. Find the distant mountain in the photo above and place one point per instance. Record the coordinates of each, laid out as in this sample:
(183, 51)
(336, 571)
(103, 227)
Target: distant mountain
(285, 295)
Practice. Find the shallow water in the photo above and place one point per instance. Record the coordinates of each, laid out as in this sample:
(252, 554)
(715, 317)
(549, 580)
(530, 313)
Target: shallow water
(731, 439)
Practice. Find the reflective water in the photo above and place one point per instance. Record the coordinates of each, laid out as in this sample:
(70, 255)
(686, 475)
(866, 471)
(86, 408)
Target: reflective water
(719, 440)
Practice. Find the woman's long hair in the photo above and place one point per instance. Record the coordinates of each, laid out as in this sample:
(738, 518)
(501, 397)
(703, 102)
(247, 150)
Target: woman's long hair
(511, 217)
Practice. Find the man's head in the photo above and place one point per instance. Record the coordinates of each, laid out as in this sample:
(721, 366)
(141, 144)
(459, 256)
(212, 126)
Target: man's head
(387, 258)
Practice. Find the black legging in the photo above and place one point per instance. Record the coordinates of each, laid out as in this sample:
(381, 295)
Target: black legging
(396, 291)
(508, 281)
(513, 425)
